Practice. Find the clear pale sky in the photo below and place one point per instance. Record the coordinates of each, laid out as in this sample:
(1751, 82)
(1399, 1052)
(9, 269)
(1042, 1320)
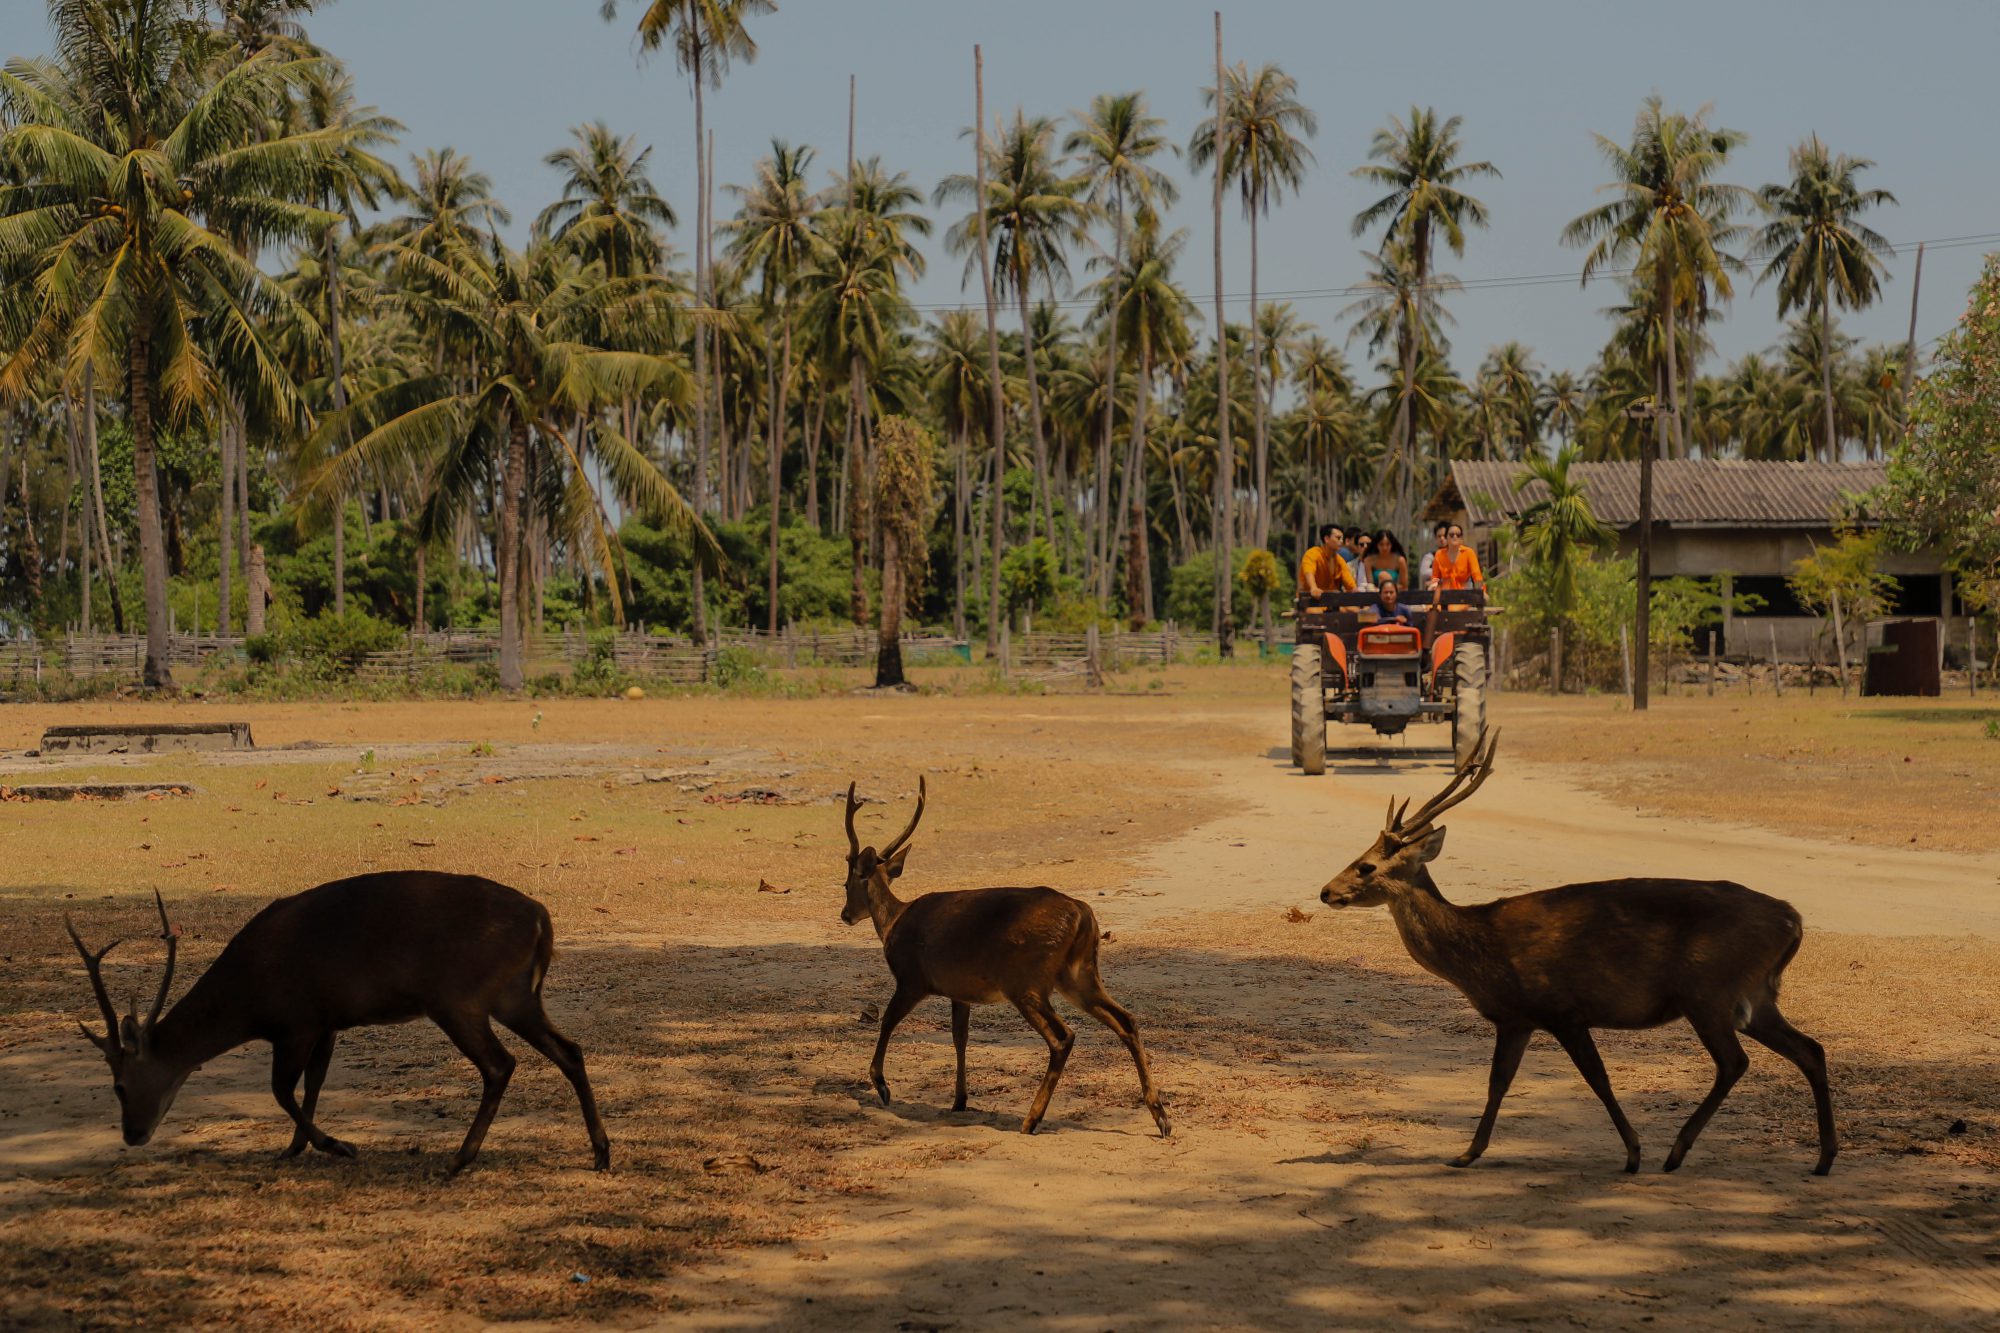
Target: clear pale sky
(1909, 85)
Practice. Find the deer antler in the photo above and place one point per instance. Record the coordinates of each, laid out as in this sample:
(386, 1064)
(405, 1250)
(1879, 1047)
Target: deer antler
(853, 842)
(904, 836)
(109, 1042)
(1476, 769)
(172, 936)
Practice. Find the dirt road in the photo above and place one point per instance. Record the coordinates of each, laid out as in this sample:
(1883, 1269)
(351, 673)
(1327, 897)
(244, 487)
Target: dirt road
(1305, 1184)
(1317, 1079)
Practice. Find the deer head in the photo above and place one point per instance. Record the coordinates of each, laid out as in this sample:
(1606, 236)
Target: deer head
(145, 1083)
(1404, 845)
(864, 863)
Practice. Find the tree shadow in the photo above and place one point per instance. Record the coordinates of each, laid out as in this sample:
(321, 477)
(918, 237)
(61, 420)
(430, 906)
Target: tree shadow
(734, 1085)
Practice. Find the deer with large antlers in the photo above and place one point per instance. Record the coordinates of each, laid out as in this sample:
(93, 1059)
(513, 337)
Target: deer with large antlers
(1020, 946)
(1625, 953)
(376, 949)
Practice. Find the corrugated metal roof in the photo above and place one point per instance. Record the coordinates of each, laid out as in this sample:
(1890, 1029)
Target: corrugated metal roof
(1689, 492)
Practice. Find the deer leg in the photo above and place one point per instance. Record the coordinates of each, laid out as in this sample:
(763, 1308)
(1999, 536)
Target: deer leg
(316, 1063)
(1043, 1019)
(1583, 1051)
(473, 1035)
(1096, 1002)
(1768, 1026)
(905, 999)
(961, 1028)
(533, 1027)
(287, 1063)
(1730, 1062)
(1508, 1044)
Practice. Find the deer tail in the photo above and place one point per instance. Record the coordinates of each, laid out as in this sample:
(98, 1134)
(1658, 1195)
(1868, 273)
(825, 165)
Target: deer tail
(545, 950)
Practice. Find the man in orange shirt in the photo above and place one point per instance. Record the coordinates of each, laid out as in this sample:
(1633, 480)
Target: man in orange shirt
(1322, 570)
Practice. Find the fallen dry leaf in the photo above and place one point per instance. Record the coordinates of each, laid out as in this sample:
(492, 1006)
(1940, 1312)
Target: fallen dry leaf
(1293, 914)
(766, 886)
(734, 1161)
(423, 842)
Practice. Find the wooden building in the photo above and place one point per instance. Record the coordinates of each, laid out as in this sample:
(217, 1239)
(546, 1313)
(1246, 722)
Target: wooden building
(1747, 522)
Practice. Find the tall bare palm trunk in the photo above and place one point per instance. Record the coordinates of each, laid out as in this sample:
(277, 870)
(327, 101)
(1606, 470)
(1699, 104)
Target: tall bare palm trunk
(775, 447)
(97, 497)
(1108, 517)
(152, 544)
(224, 559)
(338, 367)
(1225, 477)
(1826, 366)
(513, 476)
(700, 624)
(1042, 487)
(996, 430)
(857, 499)
(1261, 534)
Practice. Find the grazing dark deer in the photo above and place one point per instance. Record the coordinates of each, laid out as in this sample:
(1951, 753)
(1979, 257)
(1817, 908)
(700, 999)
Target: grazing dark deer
(985, 946)
(376, 949)
(1622, 953)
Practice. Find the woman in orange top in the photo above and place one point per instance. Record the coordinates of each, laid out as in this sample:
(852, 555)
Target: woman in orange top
(1457, 566)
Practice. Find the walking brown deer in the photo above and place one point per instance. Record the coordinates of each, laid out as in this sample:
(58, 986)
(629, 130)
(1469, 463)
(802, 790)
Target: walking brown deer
(985, 946)
(1623, 953)
(361, 952)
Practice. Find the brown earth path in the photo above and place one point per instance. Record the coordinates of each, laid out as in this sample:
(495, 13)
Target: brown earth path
(1313, 1192)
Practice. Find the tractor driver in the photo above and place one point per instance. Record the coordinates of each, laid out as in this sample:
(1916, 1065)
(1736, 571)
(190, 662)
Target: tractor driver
(1322, 570)
(1389, 607)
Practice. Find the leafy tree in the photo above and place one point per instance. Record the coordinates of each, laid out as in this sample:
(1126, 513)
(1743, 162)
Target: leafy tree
(1944, 478)
(1845, 581)
(1029, 576)
(140, 150)
(1558, 531)
(905, 498)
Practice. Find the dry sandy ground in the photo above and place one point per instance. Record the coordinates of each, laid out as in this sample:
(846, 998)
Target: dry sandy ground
(1317, 1080)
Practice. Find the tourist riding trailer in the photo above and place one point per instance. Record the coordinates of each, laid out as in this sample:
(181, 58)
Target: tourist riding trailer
(1347, 667)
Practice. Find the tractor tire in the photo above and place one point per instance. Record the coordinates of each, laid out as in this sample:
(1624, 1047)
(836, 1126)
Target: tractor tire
(1468, 714)
(1308, 710)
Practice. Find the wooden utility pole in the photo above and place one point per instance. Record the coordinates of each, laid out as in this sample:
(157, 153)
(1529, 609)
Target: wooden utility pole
(996, 428)
(1910, 356)
(1649, 411)
(1225, 475)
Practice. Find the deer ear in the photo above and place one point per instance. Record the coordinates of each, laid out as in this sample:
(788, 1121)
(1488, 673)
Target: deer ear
(894, 864)
(1433, 844)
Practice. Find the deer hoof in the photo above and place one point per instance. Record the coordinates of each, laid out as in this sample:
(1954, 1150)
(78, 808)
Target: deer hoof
(1464, 1159)
(337, 1148)
(602, 1158)
(297, 1146)
(458, 1164)
(1824, 1165)
(958, 1104)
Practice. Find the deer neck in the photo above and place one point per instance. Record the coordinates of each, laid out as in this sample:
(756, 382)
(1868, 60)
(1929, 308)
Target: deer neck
(883, 906)
(210, 1019)
(1444, 938)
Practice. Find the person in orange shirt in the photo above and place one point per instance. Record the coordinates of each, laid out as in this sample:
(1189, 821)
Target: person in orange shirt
(1456, 565)
(1322, 570)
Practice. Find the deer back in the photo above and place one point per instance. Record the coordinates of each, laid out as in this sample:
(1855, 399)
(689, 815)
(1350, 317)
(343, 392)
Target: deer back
(1626, 953)
(380, 948)
(986, 945)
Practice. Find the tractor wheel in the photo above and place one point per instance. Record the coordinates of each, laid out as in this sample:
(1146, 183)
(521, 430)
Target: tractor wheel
(1308, 710)
(1468, 714)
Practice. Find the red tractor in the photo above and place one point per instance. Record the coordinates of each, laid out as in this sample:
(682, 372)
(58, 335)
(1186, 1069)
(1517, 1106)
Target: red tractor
(1349, 666)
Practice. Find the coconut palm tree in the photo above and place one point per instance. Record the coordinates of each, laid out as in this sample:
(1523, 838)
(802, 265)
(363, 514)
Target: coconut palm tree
(773, 236)
(1558, 531)
(608, 209)
(959, 388)
(1518, 380)
(1820, 253)
(1263, 126)
(141, 154)
(1034, 214)
(1560, 401)
(1115, 142)
(706, 37)
(1669, 224)
(1153, 316)
(852, 306)
(1416, 162)
(542, 343)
